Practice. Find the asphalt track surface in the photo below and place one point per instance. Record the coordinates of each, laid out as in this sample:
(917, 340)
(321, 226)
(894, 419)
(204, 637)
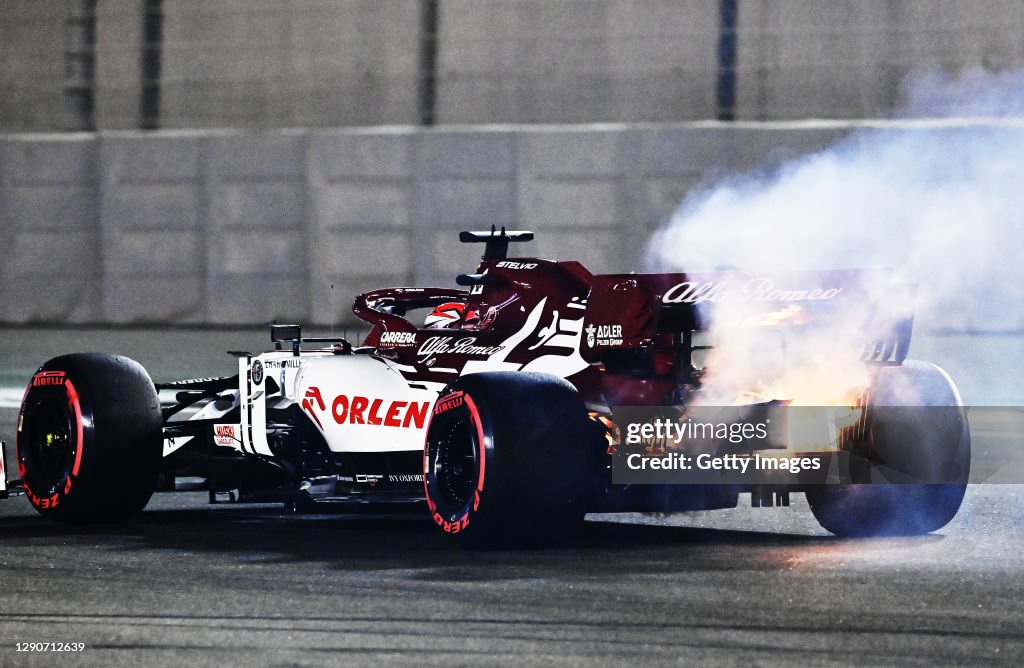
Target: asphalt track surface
(190, 584)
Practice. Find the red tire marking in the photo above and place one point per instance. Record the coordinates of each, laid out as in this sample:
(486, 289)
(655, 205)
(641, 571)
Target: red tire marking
(74, 403)
(474, 416)
(77, 406)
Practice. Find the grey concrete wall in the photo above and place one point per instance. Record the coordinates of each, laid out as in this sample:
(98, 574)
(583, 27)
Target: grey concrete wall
(118, 76)
(49, 213)
(235, 228)
(267, 63)
(325, 63)
(32, 67)
(851, 58)
(576, 61)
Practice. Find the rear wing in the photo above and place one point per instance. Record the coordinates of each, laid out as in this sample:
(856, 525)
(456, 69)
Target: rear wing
(629, 311)
(495, 242)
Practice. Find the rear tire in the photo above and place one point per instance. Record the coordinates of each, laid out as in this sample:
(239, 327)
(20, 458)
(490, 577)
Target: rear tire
(506, 460)
(919, 432)
(90, 438)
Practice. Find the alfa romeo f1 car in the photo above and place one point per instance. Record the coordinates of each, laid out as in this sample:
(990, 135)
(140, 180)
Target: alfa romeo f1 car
(500, 409)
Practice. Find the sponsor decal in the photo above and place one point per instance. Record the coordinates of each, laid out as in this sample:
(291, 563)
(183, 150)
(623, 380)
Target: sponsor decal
(46, 378)
(448, 345)
(313, 395)
(256, 372)
(370, 479)
(604, 335)
(517, 265)
(379, 412)
(397, 339)
(357, 409)
(448, 402)
(192, 381)
(283, 364)
(406, 477)
(227, 434)
(756, 290)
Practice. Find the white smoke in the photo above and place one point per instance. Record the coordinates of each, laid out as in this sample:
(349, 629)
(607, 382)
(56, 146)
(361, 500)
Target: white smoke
(941, 202)
(938, 199)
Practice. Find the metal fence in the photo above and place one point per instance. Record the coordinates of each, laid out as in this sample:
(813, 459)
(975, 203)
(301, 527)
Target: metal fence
(124, 64)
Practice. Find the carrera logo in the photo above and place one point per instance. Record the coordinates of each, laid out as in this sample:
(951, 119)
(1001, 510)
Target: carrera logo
(398, 338)
(226, 434)
(367, 410)
(757, 290)
(46, 378)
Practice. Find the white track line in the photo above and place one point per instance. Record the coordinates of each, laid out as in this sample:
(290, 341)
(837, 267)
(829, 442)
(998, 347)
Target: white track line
(10, 397)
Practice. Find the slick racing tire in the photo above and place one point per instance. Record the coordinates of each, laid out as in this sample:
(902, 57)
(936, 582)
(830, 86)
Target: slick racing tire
(918, 432)
(89, 438)
(506, 459)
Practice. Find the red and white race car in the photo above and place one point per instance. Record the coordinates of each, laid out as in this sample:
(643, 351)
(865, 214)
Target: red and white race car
(509, 408)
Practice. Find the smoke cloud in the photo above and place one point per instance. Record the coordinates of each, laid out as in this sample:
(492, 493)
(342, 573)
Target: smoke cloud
(941, 201)
(937, 196)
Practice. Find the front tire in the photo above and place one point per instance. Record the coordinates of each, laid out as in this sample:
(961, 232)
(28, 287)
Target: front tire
(507, 459)
(919, 433)
(89, 438)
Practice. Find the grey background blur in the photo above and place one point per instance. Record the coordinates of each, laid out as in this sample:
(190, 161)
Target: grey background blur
(233, 161)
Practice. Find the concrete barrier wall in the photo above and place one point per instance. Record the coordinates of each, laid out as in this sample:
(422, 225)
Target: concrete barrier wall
(327, 63)
(576, 61)
(851, 58)
(231, 63)
(234, 228)
(32, 66)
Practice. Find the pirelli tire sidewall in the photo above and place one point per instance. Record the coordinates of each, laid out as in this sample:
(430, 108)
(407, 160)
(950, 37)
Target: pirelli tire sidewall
(89, 438)
(523, 441)
(457, 416)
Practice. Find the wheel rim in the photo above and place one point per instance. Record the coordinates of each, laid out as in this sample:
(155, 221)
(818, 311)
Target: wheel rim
(49, 448)
(455, 463)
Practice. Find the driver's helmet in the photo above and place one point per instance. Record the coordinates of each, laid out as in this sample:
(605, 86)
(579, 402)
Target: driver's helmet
(448, 315)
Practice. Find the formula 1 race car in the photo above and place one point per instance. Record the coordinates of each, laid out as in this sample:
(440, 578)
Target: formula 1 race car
(535, 393)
